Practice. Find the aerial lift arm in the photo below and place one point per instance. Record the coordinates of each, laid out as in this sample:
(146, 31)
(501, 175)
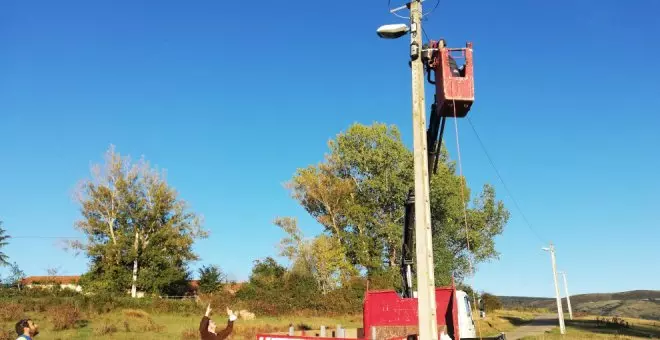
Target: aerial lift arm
(454, 95)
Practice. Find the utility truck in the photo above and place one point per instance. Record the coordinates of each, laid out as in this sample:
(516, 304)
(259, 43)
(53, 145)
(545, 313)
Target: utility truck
(388, 315)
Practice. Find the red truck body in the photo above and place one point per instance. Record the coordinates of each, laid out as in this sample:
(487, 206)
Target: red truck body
(393, 317)
(387, 316)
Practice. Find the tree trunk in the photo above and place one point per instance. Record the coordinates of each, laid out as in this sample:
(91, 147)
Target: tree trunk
(135, 268)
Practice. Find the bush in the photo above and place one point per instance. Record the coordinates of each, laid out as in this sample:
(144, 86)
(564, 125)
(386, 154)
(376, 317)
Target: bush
(490, 302)
(136, 313)
(11, 312)
(136, 320)
(105, 328)
(65, 316)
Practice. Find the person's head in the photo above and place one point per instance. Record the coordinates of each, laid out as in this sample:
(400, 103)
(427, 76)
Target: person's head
(27, 327)
(211, 326)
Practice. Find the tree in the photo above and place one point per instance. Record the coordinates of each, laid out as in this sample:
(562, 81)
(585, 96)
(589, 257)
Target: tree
(267, 272)
(273, 289)
(321, 257)
(4, 259)
(358, 193)
(139, 233)
(490, 302)
(211, 279)
(16, 276)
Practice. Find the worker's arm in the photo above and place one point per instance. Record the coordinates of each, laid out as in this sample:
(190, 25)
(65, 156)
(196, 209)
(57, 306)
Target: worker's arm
(204, 324)
(204, 327)
(223, 334)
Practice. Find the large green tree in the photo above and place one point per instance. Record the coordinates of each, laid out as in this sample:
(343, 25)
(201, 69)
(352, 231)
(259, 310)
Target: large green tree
(358, 192)
(139, 233)
(4, 259)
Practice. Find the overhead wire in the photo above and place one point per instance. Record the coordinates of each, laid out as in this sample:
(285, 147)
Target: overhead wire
(389, 6)
(506, 188)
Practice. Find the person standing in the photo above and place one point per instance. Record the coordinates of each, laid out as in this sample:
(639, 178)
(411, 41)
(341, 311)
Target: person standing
(207, 328)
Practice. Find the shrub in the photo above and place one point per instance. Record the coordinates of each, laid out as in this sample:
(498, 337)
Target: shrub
(105, 328)
(11, 312)
(65, 316)
(136, 320)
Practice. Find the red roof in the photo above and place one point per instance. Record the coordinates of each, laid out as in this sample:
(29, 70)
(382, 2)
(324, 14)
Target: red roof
(47, 279)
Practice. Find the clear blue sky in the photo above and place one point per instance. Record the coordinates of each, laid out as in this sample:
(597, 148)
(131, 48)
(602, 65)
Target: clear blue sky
(231, 97)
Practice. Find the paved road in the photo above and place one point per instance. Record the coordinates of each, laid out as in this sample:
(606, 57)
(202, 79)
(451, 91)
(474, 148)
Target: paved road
(538, 326)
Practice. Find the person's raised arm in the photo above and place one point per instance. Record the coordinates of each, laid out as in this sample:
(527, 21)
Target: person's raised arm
(223, 334)
(204, 324)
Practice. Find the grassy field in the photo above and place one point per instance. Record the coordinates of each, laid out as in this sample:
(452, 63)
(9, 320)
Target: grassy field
(502, 321)
(644, 304)
(587, 328)
(136, 324)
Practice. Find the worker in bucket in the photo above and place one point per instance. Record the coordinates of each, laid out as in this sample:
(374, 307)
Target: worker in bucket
(207, 328)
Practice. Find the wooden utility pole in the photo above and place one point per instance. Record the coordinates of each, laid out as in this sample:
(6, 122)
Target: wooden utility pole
(428, 328)
(560, 311)
(568, 297)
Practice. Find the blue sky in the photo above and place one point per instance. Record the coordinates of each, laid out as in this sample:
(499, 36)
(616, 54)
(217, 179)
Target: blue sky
(231, 97)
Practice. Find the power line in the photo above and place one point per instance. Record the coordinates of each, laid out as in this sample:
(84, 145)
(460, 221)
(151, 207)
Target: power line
(515, 202)
(393, 11)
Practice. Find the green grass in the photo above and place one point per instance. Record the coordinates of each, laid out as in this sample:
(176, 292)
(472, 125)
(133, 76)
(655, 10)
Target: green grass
(586, 328)
(123, 325)
(502, 321)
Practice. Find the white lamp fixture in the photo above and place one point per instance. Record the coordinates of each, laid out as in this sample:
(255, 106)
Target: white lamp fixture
(392, 31)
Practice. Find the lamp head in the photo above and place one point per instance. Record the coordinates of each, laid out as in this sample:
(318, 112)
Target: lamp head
(392, 31)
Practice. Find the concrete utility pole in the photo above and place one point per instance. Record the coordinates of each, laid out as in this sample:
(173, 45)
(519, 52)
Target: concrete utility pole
(560, 311)
(428, 328)
(568, 297)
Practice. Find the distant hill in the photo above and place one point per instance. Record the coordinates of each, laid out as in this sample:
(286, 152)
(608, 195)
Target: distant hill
(643, 304)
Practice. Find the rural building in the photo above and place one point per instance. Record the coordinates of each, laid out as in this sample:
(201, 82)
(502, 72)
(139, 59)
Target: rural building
(71, 282)
(64, 282)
